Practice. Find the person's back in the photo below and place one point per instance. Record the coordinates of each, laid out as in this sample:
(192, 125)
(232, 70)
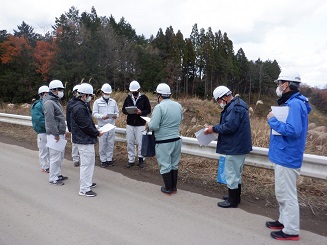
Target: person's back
(37, 115)
(166, 118)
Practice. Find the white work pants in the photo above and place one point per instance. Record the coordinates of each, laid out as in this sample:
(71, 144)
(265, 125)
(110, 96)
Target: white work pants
(106, 146)
(87, 160)
(56, 158)
(75, 154)
(44, 157)
(286, 195)
(133, 137)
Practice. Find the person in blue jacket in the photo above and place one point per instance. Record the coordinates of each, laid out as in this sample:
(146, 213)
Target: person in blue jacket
(38, 123)
(234, 141)
(286, 152)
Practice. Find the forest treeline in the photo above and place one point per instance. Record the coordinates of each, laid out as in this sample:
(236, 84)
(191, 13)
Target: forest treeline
(98, 49)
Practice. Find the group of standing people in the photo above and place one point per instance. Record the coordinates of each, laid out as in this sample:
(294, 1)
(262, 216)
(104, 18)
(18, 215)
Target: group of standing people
(286, 149)
(234, 139)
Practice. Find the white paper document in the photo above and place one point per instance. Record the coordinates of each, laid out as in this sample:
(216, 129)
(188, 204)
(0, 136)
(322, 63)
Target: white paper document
(147, 119)
(204, 139)
(107, 128)
(131, 109)
(58, 146)
(281, 113)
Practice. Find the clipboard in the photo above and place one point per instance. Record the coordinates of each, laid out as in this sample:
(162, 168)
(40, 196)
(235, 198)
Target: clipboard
(131, 109)
(111, 115)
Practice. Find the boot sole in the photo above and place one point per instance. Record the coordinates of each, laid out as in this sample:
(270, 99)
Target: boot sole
(287, 238)
(235, 206)
(168, 194)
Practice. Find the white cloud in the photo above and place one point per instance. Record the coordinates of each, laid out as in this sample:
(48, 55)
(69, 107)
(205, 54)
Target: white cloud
(289, 31)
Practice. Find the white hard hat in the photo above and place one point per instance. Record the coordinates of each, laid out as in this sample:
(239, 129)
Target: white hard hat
(85, 88)
(134, 86)
(289, 75)
(163, 89)
(43, 89)
(76, 87)
(55, 84)
(106, 88)
(220, 92)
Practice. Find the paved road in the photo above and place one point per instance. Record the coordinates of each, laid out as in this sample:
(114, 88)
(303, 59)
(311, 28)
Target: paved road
(124, 212)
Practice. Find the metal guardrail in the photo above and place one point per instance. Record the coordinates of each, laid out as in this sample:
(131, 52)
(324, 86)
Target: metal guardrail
(312, 166)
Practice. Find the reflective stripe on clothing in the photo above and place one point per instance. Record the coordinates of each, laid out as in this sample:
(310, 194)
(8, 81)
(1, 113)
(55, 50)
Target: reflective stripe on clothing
(286, 195)
(233, 170)
(106, 146)
(134, 137)
(87, 160)
(44, 156)
(168, 155)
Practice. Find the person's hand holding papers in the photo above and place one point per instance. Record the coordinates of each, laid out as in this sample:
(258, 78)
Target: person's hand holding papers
(208, 130)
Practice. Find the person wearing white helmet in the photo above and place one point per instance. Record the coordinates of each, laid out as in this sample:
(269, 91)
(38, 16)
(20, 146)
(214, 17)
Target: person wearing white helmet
(84, 134)
(165, 124)
(234, 141)
(105, 110)
(286, 149)
(135, 124)
(38, 123)
(70, 103)
(56, 128)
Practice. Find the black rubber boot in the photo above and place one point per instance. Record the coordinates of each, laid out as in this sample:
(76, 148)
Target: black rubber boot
(168, 183)
(174, 175)
(239, 194)
(231, 201)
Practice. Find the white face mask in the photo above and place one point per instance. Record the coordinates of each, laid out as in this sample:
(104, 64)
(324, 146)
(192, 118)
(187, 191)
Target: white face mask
(279, 92)
(88, 99)
(106, 96)
(222, 105)
(60, 94)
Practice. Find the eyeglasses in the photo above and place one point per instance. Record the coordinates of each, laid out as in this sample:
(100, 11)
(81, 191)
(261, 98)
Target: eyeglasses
(60, 89)
(280, 82)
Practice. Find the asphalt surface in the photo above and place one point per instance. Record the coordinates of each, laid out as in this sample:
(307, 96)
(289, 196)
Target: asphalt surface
(125, 211)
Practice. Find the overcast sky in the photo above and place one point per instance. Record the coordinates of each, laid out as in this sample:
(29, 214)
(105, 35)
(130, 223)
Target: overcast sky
(290, 31)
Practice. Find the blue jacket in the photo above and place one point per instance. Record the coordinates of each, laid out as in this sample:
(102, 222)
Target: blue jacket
(287, 149)
(37, 114)
(82, 126)
(234, 129)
